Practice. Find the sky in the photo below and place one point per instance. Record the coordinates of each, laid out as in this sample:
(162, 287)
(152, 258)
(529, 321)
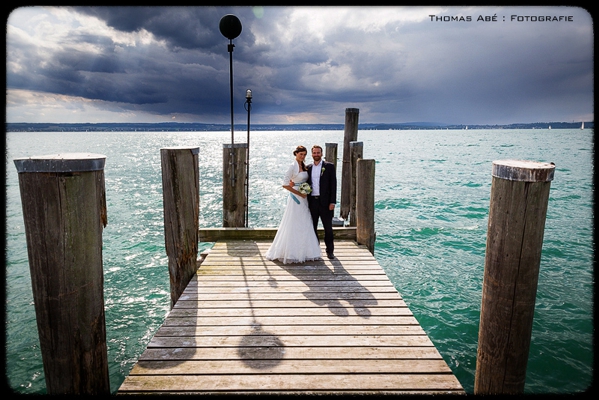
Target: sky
(454, 65)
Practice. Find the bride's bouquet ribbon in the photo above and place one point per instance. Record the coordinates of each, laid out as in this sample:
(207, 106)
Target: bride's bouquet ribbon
(303, 188)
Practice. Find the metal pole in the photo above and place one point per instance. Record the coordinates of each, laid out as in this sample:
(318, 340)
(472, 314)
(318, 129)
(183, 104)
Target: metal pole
(230, 48)
(247, 175)
(230, 27)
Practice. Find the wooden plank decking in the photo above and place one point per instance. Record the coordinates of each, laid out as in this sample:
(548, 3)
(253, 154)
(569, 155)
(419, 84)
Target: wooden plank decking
(248, 325)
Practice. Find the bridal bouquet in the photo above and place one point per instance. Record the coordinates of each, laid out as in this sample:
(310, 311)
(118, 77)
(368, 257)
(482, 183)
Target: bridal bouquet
(304, 188)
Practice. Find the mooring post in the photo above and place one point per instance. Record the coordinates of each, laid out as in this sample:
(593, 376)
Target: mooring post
(181, 203)
(365, 233)
(356, 150)
(350, 135)
(331, 153)
(64, 210)
(518, 208)
(234, 177)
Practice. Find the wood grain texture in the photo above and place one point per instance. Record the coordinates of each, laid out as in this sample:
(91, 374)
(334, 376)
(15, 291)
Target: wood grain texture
(246, 325)
(515, 232)
(64, 214)
(234, 179)
(181, 199)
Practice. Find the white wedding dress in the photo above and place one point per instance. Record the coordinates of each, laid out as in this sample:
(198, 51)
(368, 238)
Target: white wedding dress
(295, 241)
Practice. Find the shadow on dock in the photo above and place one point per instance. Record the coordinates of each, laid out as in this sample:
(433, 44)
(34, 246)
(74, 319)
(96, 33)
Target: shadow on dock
(259, 349)
(328, 282)
(313, 273)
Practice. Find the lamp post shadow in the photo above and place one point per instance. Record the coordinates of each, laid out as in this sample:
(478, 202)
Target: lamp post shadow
(258, 349)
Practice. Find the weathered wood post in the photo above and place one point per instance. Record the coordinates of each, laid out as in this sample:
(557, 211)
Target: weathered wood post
(350, 135)
(356, 150)
(331, 153)
(181, 202)
(234, 171)
(519, 197)
(365, 233)
(64, 210)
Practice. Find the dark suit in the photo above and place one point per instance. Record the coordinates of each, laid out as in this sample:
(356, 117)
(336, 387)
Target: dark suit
(319, 207)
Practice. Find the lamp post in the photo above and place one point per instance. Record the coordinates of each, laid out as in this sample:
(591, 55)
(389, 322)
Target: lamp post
(230, 27)
(248, 106)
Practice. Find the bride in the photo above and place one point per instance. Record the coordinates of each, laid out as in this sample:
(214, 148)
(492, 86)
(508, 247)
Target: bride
(295, 241)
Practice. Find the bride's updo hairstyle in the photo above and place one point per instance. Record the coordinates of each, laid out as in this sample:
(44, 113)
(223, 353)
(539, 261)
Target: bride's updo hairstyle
(300, 149)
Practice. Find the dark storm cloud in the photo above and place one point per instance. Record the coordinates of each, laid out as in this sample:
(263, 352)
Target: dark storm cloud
(177, 80)
(189, 28)
(499, 72)
(103, 76)
(191, 76)
(315, 62)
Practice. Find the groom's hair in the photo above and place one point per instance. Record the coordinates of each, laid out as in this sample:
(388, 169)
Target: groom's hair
(317, 147)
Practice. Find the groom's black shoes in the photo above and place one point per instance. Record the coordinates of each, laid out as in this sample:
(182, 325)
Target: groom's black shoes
(330, 255)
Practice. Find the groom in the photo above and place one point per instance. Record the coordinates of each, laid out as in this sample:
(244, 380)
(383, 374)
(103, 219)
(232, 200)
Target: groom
(323, 180)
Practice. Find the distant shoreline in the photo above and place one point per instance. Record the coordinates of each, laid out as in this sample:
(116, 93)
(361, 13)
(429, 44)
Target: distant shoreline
(192, 126)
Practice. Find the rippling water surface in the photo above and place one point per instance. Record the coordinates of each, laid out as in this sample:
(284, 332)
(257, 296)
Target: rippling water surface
(432, 200)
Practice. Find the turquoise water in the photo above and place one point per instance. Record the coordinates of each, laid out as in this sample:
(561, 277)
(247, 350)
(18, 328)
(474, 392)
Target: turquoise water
(432, 199)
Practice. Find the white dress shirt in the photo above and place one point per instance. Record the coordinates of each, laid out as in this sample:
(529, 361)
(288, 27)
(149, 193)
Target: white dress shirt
(316, 178)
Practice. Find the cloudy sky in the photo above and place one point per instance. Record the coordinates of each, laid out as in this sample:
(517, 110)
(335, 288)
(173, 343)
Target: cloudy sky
(461, 65)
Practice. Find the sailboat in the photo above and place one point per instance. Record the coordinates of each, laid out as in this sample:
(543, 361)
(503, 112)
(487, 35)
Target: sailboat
(582, 126)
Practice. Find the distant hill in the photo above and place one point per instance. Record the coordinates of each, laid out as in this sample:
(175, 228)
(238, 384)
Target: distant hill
(180, 126)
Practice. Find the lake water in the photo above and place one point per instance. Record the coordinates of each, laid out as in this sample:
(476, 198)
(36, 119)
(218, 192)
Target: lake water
(431, 212)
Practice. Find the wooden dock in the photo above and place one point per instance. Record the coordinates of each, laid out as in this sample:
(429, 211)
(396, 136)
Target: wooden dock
(246, 325)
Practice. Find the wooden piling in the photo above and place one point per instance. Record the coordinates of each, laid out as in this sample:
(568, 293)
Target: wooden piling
(365, 233)
(518, 208)
(350, 135)
(181, 202)
(356, 150)
(234, 177)
(331, 153)
(64, 210)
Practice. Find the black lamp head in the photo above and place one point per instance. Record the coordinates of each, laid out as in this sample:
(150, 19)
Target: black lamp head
(230, 26)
